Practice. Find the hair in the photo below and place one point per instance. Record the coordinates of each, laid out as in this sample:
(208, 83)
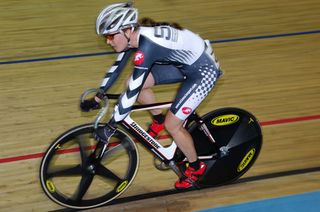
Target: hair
(148, 22)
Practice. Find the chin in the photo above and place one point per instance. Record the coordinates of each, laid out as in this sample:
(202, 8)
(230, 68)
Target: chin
(119, 49)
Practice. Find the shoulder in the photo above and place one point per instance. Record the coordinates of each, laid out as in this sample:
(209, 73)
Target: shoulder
(145, 36)
(155, 35)
(146, 31)
(145, 39)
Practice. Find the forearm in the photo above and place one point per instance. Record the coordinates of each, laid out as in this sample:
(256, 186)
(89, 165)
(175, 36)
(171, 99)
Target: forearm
(115, 70)
(129, 97)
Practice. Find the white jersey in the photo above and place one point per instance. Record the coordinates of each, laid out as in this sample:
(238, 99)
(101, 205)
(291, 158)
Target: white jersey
(170, 44)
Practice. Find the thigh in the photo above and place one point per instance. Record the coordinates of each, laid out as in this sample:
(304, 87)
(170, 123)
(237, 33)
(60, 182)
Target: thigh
(193, 91)
(166, 74)
(149, 81)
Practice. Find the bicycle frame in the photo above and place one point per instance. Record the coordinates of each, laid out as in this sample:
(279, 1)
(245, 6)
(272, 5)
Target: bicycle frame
(164, 153)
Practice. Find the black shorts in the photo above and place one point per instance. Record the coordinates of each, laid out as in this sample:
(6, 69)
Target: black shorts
(166, 74)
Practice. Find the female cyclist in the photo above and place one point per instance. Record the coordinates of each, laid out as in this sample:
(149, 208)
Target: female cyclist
(164, 53)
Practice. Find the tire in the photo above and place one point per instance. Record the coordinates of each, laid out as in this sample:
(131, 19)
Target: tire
(238, 139)
(72, 177)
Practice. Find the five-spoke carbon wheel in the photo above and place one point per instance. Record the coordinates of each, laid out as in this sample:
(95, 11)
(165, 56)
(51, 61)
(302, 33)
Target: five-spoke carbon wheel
(72, 175)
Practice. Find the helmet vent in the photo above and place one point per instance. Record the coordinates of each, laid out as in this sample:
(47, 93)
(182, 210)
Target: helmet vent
(102, 26)
(116, 17)
(114, 23)
(133, 17)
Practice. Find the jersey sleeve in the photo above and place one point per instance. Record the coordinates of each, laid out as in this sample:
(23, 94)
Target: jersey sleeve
(129, 97)
(115, 70)
(143, 60)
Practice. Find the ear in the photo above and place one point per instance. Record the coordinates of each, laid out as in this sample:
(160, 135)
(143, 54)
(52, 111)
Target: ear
(127, 32)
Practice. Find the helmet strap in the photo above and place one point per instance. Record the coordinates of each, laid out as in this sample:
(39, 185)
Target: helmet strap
(128, 38)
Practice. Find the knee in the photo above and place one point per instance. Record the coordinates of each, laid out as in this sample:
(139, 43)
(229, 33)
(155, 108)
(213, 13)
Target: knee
(172, 127)
(149, 82)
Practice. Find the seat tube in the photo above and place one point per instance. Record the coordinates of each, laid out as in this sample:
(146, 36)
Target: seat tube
(203, 127)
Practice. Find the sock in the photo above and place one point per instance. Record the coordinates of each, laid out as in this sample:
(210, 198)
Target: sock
(195, 165)
(159, 118)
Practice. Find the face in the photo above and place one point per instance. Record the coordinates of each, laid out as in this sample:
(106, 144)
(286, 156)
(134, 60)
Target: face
(117, 41)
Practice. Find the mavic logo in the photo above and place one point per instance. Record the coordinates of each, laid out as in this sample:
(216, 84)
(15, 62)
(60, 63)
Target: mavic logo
(246, 160)
(225, 120)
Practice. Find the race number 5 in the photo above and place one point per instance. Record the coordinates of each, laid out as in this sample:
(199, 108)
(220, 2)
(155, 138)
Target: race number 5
(162, 32)
(166, 32)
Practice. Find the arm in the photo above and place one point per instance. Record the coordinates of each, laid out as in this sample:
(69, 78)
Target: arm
(115, 70)
(128, 98)
(110, 78)
(146, 55)
(143, 60)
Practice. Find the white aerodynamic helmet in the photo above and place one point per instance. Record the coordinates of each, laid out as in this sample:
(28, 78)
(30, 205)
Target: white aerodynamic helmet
(116, 17)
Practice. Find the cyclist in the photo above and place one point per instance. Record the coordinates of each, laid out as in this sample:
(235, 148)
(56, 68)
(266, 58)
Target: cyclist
(163, 53)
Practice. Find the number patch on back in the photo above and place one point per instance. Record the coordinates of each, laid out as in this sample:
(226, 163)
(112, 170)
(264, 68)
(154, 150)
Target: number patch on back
(166, 32)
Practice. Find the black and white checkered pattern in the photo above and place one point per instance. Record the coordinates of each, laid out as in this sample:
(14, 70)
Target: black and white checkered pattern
(209, 78)
(197, 87)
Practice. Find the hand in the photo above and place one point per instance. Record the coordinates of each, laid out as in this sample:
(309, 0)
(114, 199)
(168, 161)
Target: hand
(104, 133)
(88, 105)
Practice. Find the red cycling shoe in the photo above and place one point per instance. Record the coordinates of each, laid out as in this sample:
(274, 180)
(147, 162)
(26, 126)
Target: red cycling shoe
(191, 177)
(155, 128)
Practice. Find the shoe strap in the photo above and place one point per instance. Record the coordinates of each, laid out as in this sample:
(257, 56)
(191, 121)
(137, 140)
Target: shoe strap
(192, 182)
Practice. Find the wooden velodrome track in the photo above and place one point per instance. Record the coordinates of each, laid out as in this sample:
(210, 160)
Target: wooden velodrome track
(277, 78)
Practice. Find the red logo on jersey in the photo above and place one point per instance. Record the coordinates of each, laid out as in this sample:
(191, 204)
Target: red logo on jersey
(186, 110)
(138, 58)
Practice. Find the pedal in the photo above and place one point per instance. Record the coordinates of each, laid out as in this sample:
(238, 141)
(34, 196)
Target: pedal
(160, 165)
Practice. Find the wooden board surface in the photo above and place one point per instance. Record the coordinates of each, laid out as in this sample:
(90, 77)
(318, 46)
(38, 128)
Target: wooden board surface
(275, 78)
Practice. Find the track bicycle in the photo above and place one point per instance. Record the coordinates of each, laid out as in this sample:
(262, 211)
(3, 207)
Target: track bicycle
(78, 172)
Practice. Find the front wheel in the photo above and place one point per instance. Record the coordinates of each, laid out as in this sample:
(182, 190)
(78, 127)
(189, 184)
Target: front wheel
(72, 176)
(238, 139)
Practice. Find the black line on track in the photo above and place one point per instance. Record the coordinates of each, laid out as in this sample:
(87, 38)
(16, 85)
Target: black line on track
(108, 53)
(174, 191)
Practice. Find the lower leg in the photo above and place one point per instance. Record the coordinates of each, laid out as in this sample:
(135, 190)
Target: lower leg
(184, 141)
(147, 96)
(181, 136)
